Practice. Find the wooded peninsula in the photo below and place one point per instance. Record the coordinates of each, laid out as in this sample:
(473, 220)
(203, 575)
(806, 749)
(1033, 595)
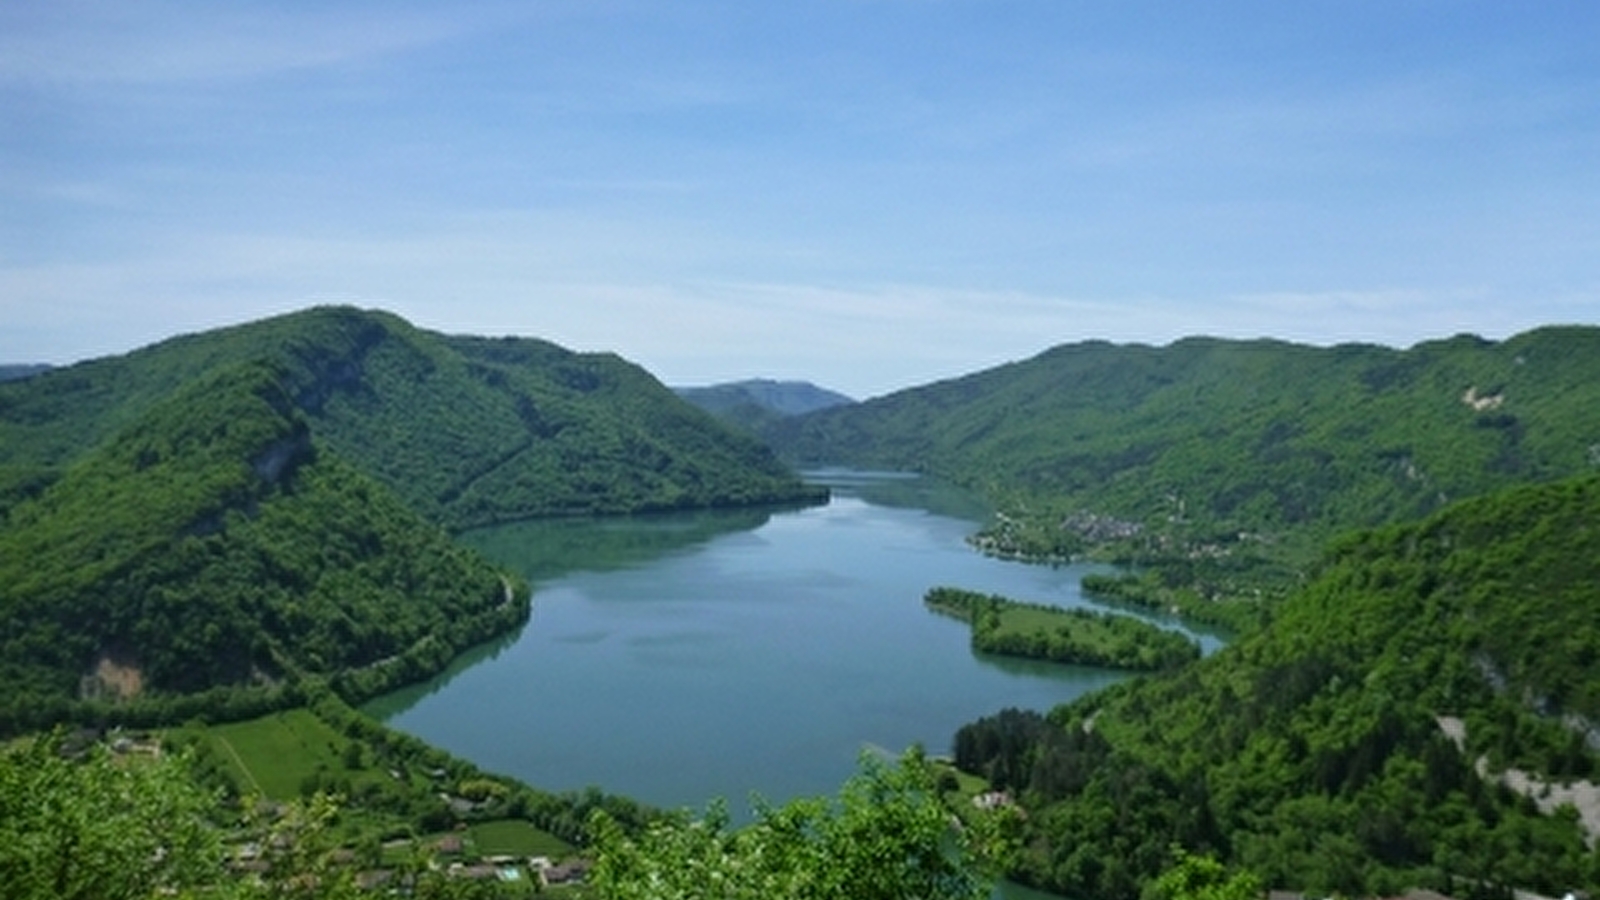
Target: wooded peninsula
(1073, 636)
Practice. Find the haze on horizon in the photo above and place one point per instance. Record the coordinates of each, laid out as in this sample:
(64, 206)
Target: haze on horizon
(868, 194)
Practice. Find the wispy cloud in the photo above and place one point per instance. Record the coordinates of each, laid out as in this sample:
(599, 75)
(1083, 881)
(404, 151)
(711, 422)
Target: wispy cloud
(863, 338)
(867, 194)
(83, 42)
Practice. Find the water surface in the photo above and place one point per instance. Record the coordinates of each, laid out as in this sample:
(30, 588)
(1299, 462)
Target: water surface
(678, 658)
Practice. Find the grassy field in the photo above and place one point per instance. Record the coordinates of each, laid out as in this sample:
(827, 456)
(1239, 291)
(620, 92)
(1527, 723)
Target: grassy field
(276, 753)
(514, 837)
(1022, 620)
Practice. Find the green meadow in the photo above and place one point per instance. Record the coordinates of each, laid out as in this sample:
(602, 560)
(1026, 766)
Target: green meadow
(514, 837)
(275, 754)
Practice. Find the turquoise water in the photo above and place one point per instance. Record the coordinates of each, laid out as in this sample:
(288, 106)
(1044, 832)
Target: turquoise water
(678, 658)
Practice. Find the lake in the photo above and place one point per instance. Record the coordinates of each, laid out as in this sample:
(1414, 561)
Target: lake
(682, 657)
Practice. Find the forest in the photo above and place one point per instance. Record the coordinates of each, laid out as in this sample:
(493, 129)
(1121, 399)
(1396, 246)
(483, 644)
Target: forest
(466, 430)
(214, 546)
(259, 521)
(1321, 752)
(195, 526)
(1228, 464)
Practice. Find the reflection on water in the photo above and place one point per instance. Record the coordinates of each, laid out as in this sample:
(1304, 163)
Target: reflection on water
(1017, 667)
(545, 548)
(905, 491)
(403, 699)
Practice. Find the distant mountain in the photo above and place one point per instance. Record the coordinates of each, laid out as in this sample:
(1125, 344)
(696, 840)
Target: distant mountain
(758, 402)
(1371, 738)
(1209, 448)
(235, 510)
(13, 372)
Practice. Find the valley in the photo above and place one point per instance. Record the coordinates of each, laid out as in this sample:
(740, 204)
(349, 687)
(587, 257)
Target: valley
(549, 574)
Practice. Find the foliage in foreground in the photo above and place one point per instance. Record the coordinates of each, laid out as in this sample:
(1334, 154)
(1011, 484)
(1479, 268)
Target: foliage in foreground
(99, 830)
(1202, 877)
(888, 836)
(112, 828)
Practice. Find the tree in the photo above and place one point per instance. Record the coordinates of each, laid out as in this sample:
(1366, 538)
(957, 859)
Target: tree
(887, 836)
(101, 828)
(1201, 877)
(109, 827)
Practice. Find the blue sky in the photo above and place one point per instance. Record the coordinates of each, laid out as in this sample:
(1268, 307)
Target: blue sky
(870, 194)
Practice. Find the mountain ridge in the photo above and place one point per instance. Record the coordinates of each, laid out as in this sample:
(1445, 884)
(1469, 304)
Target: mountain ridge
(757, 402)
(208, 522)
(470, 431)
(1222, 451)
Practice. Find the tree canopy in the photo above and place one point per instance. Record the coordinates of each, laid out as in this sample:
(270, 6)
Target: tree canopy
(1356, 743)
(1229, 463)
(218, 515)
(888, 836)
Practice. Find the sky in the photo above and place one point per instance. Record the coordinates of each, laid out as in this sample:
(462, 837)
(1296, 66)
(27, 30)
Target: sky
(868, 194)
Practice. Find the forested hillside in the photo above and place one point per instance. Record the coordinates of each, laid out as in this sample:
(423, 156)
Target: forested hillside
(1322, 751)
(1211, 448)
(195, 526)
(468, 431)
(213, 543)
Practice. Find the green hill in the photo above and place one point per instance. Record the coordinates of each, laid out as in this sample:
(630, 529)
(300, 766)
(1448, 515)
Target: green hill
(468, 431)
(1209, 449)
(1320, 751)
(214, 545)
(197, 525)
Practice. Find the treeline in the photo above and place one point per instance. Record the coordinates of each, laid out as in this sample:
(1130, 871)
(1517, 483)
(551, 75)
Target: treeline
(1075, 636)
(1312, 751)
